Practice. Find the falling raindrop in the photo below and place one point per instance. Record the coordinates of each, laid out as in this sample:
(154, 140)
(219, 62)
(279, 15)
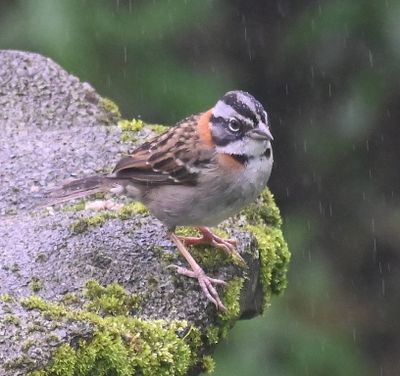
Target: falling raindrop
(125, 54)
(374, 250)
(305, 146)
(370, 58)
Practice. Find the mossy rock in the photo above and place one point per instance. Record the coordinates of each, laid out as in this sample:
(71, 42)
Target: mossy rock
(90, 293)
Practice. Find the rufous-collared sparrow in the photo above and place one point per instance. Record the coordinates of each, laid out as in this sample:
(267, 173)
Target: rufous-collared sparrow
(198, 173)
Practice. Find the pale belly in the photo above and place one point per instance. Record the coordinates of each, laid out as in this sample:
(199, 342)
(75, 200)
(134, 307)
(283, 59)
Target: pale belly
(213, 200)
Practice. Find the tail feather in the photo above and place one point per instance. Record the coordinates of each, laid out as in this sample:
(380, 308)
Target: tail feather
(77, 189)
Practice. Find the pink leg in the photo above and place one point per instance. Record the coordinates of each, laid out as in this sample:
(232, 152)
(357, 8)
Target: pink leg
(205, 282)
(208, 237)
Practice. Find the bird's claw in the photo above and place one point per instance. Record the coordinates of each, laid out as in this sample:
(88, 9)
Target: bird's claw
(205, 282)
(208, 237)
(228, 246)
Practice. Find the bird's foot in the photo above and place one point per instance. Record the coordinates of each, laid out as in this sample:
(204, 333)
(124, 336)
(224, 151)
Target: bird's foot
(206, 284)
(209, 238)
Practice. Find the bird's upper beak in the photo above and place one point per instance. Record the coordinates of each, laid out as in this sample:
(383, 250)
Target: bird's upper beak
(261, 134)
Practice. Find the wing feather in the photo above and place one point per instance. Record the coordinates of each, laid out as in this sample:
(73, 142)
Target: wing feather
(171, 158)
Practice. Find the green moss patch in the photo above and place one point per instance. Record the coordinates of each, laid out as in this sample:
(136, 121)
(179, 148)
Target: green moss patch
(264, 211)
(208, 364)
(11, 319)
(121, 344)
(112, 111)
(83, 224)
(6, 298)
(158, 128)
(131, 209)
(110, 300)
(130, 128)
(35, 284)
(71, 298)
(134, 125)
(265, 224)
(232, 301)
(225, 320)
(130, 348)
(127, 211)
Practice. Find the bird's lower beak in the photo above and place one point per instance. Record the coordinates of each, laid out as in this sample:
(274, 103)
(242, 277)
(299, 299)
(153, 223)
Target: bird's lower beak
(261, 134)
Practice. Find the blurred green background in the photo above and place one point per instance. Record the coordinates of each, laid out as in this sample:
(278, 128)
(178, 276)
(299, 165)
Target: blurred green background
(328, 73)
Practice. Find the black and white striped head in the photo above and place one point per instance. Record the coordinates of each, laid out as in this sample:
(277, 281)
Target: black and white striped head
(239, 125)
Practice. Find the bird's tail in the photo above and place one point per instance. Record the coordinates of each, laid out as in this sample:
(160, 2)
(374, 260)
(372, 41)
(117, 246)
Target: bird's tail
(77, 189)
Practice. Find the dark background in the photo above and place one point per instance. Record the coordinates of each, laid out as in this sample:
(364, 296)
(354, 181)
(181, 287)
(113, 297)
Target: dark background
(328, 74)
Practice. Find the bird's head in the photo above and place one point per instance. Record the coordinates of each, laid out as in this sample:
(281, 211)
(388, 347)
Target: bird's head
(239, 126)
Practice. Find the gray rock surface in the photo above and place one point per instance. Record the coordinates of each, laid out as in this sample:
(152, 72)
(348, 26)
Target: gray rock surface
(53, 127)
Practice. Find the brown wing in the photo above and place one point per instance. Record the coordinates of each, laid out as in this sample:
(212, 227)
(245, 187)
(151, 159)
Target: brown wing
(171, 158)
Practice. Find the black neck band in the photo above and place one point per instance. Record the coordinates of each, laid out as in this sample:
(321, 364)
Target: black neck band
(242, 159)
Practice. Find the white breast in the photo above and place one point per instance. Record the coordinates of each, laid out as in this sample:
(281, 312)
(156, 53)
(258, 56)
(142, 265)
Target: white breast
(255, 177)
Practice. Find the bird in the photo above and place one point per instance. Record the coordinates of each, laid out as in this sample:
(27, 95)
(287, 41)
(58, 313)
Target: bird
(198, 173)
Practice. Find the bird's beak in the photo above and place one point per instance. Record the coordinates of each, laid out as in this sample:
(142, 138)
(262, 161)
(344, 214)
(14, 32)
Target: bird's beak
(261, 134)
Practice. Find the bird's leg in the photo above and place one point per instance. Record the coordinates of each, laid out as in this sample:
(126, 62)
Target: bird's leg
(205, 282)
(208, 237)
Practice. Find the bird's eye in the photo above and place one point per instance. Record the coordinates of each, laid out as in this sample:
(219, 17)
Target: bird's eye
(234, 125)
